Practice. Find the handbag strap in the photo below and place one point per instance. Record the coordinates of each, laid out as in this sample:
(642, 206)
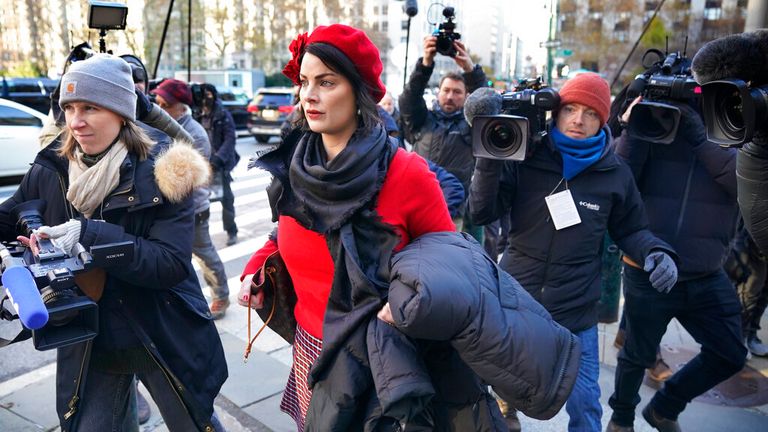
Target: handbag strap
(268, 270)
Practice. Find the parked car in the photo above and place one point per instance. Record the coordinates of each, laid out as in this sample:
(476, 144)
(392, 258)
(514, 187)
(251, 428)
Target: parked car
(430, 96)
(32, 92)
(237, 103)
(268, 110)
(19, 128)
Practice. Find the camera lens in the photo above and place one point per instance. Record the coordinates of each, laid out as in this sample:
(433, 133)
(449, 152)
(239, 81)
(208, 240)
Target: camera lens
(502, 138)
(732, 120)
(654, 122)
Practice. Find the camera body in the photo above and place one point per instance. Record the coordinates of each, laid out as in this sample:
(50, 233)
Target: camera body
(521, 124)
(446, 34)
(72, 316)
(654, 118)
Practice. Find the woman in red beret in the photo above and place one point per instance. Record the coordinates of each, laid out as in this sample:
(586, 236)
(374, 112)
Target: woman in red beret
(345, 197)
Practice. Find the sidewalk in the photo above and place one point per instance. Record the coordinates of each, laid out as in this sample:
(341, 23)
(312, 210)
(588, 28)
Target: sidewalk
(249, 400)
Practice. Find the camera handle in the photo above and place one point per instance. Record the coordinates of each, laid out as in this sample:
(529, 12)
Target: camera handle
(102, 42)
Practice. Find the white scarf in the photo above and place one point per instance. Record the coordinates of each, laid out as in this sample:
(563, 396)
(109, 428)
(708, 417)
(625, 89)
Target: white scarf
(89, 186)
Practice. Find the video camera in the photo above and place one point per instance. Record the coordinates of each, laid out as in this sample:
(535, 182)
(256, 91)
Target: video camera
(446, 34)
(654, 118)
(520, 125)
(41, 284)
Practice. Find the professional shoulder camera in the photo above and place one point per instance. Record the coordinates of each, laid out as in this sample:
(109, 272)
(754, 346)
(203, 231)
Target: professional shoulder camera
(654, 118)
(446, 34)
(520, 125)
(41, 285)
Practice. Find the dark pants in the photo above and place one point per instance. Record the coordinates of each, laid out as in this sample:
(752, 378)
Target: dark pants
(109, 403)
(708, 309)
(227, 203)
(208, 258)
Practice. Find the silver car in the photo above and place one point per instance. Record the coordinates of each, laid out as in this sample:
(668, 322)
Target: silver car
(19, 130)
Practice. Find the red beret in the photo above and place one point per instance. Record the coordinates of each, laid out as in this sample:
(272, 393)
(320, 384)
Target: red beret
(353, 43)
(588, 89)
(173, 90)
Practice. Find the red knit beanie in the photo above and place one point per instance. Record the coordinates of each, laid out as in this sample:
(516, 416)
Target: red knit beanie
(173, 90)
(353, 43)
(588, 89)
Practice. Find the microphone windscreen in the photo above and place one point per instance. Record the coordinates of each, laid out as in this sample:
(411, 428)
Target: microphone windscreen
(25, 297)
(483, 101)
(742, 56)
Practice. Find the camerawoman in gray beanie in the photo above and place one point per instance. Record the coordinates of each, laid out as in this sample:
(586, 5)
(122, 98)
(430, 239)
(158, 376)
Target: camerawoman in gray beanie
(104, 80)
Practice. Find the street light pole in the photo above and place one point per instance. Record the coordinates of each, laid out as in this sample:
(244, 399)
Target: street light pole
(551, 41)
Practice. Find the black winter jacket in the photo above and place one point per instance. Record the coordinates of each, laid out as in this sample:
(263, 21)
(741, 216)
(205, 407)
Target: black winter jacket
(561, 269)
(222, 134)
(157, 294)
(444, 139)
(498, 330)
(689, 191)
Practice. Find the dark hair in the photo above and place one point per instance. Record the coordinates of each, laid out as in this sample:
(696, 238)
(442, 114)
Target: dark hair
(454, 76)
(338, 62)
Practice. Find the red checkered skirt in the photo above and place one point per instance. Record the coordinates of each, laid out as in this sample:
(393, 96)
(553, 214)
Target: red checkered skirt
(295, 402)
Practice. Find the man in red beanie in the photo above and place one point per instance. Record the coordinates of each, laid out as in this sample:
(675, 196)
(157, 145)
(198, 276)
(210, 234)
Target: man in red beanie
(562, 200)
(440, 133)
(175, 97)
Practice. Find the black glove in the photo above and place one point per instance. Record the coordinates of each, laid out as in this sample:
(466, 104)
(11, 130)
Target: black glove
(217, 162)
(143, 105)
(691, 128)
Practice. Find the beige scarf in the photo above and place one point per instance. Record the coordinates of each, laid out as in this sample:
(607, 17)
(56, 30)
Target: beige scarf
(89, 186)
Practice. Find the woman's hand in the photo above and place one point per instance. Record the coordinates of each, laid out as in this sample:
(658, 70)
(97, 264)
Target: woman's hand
(30, 242)
(245, 298)
(625, 117)
(385, 314)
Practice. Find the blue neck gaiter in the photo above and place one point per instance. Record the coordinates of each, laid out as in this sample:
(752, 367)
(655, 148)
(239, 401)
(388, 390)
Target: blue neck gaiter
(578, 154)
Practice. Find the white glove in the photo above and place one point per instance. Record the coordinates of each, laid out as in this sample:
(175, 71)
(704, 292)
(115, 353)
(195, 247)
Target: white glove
(64, 236)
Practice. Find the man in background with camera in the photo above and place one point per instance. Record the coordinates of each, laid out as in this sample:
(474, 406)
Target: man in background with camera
(442, 135)
(561, 200)
(175, 97)
(689, 192)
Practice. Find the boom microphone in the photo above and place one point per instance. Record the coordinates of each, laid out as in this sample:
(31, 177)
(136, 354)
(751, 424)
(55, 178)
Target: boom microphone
(483, 101)
(22, 291)
(740, 56)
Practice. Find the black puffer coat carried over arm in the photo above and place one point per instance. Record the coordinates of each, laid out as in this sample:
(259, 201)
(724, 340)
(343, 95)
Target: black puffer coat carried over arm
(445, 288)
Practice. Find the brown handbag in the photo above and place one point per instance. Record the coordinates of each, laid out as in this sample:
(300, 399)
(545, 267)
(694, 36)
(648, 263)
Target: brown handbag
(279, 300)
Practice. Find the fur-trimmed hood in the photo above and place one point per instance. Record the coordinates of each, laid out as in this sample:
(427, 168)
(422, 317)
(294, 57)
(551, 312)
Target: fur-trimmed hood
(179, 169)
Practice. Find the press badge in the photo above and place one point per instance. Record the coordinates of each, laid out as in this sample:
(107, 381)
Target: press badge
(563, 210)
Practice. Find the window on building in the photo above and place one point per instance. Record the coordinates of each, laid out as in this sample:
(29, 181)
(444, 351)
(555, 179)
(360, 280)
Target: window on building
(404, 25)
(595, 6)
(385, 10)
(385, 26)
(567, 23)
(651, 5)
(375, 10)
(713, 13)
(595, 25)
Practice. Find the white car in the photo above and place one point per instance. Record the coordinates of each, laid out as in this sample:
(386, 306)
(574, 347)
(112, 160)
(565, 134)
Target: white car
(19, 129)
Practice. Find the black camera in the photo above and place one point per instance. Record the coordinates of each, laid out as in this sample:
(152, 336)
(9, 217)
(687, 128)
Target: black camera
(72, 317)
(654, 118)
(732, 110)
(446, 34)
(521, 124)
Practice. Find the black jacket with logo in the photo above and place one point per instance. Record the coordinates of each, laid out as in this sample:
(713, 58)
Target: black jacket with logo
(561, 268)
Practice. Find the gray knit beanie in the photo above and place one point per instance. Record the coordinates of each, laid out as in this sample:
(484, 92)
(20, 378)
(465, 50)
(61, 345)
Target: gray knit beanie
(104, 80)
